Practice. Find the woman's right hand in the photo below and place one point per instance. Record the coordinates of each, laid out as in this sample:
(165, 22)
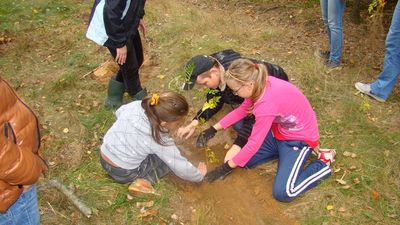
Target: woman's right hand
(187, 131)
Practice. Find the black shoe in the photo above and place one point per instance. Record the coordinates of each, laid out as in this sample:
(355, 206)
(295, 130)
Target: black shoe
(324, 54)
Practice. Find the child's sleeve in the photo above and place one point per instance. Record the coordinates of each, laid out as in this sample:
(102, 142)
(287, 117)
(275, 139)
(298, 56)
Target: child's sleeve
(258, 134)
(113, 11)
(181, 167)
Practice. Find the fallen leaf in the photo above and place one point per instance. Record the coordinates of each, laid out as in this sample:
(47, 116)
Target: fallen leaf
(386, 153)
(346, 153)
(342, 209)
(346, 187)
(356, 180)
(375, 195)
(66, 130)
(161, 77)
(329, 207)
(144, 204)
(146, 213)
(129, 197)
(340, 181)
(174, 217)
(337, 170)
(353, 167)
(353, 155)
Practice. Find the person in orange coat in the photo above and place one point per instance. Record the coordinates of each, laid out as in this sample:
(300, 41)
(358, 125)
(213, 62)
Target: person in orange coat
(20, 163)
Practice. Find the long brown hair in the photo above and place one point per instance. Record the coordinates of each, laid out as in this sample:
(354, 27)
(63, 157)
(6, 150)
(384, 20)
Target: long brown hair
(244, 70)
(166, 107)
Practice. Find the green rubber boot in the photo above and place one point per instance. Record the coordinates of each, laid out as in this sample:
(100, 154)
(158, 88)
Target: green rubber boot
(140, 95)
(115, 94)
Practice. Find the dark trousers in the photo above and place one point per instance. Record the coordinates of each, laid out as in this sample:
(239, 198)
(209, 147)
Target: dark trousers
(152, 168)
(292, 177)
(128, 73)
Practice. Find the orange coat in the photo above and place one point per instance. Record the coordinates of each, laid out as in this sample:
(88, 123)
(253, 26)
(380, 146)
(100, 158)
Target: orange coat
(20, 163)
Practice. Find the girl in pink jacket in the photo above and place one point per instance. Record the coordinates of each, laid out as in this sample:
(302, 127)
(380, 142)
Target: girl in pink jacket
(285, 129)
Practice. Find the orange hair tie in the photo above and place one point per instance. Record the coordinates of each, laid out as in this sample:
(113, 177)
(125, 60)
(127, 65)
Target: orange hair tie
(154, 99)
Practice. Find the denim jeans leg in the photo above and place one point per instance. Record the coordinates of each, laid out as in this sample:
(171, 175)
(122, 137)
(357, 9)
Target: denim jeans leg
(386, 81)
(324, 13)
(335, 24)
(120, 175)
(153, 168)
(24, 211)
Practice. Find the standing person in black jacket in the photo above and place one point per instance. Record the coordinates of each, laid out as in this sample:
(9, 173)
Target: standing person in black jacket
(208, 70)
(115, 24)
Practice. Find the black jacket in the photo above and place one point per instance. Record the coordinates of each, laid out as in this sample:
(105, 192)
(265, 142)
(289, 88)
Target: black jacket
(118, 30)
(225, 58)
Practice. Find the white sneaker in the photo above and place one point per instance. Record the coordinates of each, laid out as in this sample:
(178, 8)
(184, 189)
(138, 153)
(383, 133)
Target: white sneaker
(327, 156)
(366, 89)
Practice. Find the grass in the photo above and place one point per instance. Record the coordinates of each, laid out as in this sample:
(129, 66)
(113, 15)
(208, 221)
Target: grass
(48, 55)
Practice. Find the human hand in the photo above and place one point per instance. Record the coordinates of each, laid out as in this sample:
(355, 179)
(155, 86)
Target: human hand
(203, 168)
(218, 173)
(234, 150)
(120, 58)
(142, 28)
(187, 132)
(205, 136)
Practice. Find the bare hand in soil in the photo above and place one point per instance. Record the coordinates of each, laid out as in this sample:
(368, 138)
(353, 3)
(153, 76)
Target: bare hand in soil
(203, 168)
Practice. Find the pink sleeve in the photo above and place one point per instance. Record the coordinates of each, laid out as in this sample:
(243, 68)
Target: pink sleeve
(257, 137)
(236, 115)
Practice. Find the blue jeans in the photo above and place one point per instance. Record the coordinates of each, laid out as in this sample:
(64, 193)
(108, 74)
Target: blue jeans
(384, 85)
(291, 179)
(152, 168)
(332, 15)
(24, 211)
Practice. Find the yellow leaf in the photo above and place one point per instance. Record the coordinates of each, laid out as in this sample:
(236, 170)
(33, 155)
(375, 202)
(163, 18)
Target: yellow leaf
(66, 130)
(161, 77)
(226, 146)
(329, 207)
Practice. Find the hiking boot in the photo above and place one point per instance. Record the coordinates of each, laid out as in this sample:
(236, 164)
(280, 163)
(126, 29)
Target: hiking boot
(324, 54)
(366, 89)
(115, 94)
(331, 65)
(327, 156)
(140, 95)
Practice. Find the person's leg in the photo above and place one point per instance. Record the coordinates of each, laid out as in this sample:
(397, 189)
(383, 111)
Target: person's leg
(116, 87)
(335, 24)
(291, 178)
(267, 152)
(153, 168)
(120, 175)
(324, 13)
(24, 211)
(386, 81)
(130, 70)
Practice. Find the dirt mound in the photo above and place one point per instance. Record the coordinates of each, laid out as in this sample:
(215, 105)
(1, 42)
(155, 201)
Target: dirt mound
(244, 197)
